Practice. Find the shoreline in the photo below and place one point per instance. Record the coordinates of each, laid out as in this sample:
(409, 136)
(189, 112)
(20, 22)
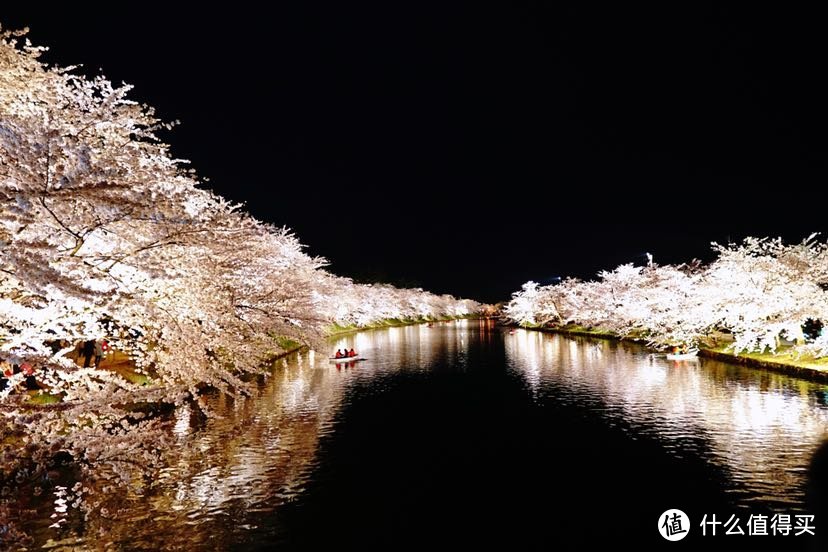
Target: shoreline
(770, 363)
(345, 330)
(122, 367)
(42, 400)
(337, 331)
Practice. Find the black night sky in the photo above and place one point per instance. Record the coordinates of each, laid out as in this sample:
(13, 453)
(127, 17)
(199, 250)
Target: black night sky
(467, 150)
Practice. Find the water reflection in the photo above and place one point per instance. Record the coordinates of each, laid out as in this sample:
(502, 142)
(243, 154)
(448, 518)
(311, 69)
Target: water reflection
(225, 479)
(223, 474)
(762, 427)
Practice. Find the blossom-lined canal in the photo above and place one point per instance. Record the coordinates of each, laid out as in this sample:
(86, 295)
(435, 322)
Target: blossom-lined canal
(461, 433)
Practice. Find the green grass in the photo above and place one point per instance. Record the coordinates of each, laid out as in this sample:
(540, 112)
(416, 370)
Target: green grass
(575, 328)
(334, 329)
(136, 378)
(44, 398)
(287, 344)
(785, 355)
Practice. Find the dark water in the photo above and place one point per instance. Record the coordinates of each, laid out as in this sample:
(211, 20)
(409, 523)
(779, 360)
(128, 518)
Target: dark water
(466, 435)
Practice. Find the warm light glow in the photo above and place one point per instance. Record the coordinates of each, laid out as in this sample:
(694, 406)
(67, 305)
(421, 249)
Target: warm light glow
(766, 430)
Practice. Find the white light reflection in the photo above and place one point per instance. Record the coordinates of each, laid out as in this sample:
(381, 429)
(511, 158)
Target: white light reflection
(763, 427)
(262, 448)
(61, 506)
(182, 420)
(526, 341)
(252, 455)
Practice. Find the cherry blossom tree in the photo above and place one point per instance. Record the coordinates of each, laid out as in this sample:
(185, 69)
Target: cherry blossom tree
(760, 291)
(104, 234)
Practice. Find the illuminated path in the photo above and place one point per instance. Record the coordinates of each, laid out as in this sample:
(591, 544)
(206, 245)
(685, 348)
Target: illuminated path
(464, 434)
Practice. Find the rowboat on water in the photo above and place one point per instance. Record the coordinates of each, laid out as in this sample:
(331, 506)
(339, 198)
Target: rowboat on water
(693, 353)
(345, 360)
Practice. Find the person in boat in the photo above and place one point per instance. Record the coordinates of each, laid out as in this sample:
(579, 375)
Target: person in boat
(339, 354)
(352, 353)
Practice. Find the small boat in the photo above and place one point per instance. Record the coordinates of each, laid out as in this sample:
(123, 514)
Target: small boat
(345, 360)
(692, 353)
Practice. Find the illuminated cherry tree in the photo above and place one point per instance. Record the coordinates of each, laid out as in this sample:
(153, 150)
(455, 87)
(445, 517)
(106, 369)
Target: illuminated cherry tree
(104, 235)
(760, 291)
(351, 304)
(526, 305)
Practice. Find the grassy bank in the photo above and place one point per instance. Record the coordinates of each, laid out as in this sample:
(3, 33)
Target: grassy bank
(784, 361)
